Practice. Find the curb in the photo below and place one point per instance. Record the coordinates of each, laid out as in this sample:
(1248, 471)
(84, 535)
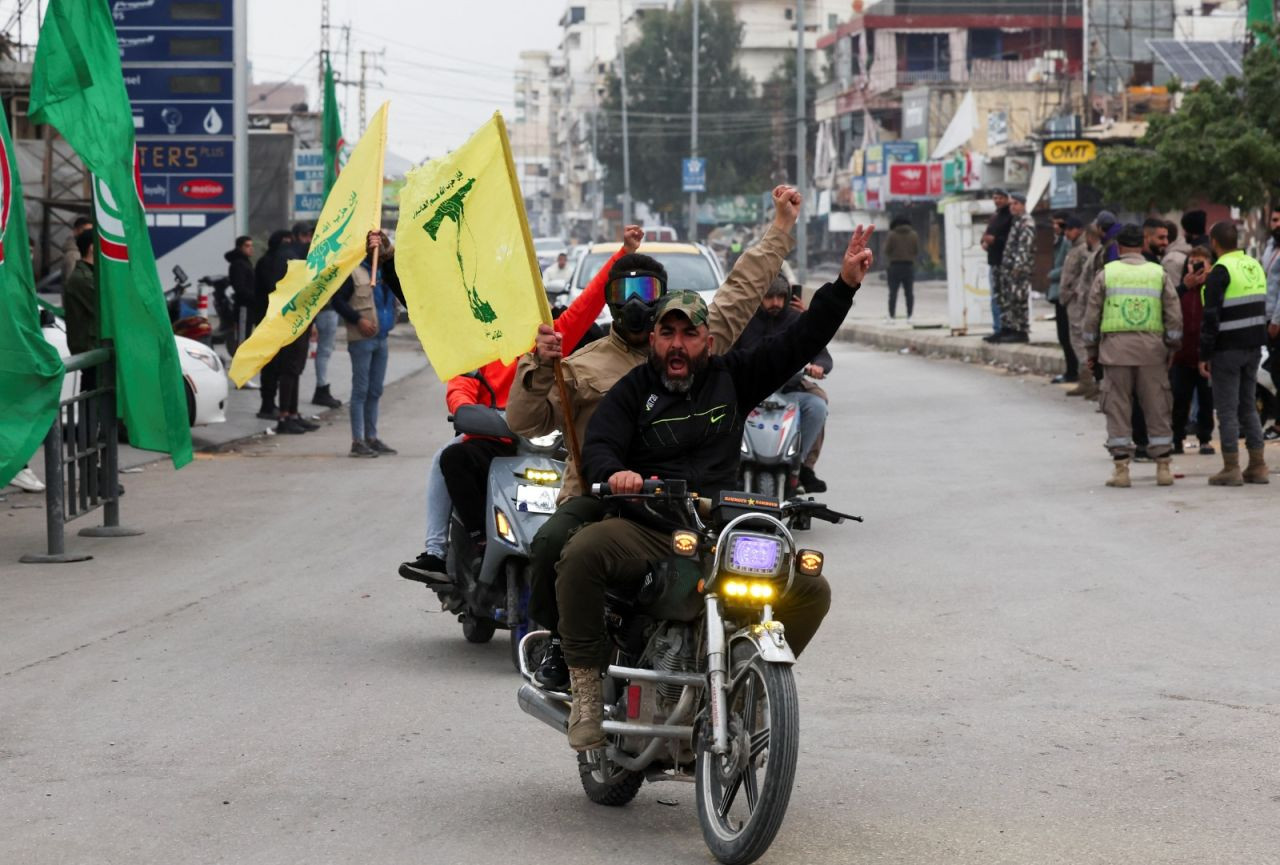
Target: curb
(935, 343)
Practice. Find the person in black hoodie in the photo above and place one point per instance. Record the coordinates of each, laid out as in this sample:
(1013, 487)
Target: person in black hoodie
(269, 270)
(240, 276)
(681, 415)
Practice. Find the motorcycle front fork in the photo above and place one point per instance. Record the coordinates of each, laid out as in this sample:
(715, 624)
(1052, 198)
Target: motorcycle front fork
(718, 676)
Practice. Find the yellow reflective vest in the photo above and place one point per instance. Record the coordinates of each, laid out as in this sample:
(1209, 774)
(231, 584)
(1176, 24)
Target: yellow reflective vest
(1133, 302)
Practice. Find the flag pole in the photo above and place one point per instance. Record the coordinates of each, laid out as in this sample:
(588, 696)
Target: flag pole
(377, 222)
(570, 431)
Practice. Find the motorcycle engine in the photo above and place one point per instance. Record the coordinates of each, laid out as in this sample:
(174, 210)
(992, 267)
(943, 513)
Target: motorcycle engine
(674, 651)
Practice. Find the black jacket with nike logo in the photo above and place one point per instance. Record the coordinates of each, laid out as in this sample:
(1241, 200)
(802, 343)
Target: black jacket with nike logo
(642, 427)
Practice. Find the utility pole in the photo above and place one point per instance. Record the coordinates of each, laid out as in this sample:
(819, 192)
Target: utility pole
(368, 62)
(626, 145)
(693, 135)
(802, 67)
(1084, 69)
(324, 43)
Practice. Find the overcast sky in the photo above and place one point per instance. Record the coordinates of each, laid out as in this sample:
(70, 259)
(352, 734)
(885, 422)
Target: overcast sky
(448, 63)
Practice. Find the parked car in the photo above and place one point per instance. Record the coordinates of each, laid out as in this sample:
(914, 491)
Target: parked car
(689, 266)
(661, 234)
(203, 376)
(547, 248)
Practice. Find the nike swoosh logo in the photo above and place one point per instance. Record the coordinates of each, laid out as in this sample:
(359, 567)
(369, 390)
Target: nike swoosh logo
(716, 418)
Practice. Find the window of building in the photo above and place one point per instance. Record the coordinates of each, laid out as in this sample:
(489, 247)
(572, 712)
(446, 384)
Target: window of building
(788, 13)
(577, 14)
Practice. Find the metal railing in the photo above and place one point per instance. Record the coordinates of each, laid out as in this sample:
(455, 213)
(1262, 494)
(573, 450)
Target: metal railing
(81, 459)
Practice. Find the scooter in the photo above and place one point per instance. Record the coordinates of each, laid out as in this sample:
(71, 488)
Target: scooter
(771, 448)
(490, 585)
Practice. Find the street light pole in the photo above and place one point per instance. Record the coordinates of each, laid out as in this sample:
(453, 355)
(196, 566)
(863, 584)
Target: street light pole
(693, 138)
(626, 146)
(802, 240)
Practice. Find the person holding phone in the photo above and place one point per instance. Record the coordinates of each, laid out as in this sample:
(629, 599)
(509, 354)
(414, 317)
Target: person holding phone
(1184, 373)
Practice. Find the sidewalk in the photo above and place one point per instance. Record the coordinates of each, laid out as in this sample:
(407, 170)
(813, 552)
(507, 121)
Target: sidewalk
(930, 335)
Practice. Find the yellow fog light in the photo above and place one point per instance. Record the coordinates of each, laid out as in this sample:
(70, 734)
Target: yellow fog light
(761, 591)
(503, 525)
(809, 563)
(743, 590)
(684, 544)
(735, 589)
(541, 476)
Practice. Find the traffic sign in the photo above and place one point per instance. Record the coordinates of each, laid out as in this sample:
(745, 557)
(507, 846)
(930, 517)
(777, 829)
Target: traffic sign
(694, 174)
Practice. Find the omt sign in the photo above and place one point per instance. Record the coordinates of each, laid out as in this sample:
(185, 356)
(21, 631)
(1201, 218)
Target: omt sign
(1072, 151)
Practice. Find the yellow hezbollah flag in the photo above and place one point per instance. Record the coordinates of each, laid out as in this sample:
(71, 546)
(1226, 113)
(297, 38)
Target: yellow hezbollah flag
(352, 209)
(465, 258)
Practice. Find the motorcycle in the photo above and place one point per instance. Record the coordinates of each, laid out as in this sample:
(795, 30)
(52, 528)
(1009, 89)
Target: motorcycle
(490, 586)
(185, 318)
(702, 682)
(229, 324)
(770, 462)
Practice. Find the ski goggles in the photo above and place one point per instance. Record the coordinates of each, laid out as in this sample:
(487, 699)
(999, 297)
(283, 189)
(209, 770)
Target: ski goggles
(643, 287)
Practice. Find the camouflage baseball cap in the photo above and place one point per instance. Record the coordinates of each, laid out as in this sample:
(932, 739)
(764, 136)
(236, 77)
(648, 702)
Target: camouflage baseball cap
(688, 303)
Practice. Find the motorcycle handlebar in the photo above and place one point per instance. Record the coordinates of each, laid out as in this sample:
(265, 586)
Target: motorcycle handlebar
(649, 488)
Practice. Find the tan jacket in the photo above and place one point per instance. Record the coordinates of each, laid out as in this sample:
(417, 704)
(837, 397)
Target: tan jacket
(533, 406)
(1131, 349)
(1072, 287)
(362, 301)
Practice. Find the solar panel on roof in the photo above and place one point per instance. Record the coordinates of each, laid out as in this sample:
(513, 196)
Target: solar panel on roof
(1196, 61)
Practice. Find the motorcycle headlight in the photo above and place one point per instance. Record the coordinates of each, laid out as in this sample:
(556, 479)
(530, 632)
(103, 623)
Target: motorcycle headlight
(541, 476)
(206, 357)
(749, 591)
(754, 555)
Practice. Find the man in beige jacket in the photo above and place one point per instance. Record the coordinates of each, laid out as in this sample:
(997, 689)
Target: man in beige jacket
(1132, 326)
(533, 406)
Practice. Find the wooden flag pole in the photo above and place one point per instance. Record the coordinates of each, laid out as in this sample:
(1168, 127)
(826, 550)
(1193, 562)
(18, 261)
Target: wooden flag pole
(566, 408)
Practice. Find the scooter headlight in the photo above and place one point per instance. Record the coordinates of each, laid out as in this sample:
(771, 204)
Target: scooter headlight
(503, 526)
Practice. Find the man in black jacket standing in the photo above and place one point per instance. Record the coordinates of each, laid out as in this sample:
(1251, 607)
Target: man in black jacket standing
(681, 415)
(269, 270)
(240, 276)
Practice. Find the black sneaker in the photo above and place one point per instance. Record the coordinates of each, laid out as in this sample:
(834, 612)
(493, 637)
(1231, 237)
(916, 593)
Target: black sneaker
(1272, 433)
(1206, 449)
(552, 673)
(307, 426)
(269, 413)
(380, 446)
(289, 426)
(362, 450)
(426, 568)
(324, 398)
(811, 482)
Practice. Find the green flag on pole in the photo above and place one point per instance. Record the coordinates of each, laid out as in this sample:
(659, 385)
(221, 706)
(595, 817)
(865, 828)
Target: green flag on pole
(333, 141)
(30, 369)
(78, 88)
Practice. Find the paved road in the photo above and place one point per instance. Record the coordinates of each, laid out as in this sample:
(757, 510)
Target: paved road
(1021, 665)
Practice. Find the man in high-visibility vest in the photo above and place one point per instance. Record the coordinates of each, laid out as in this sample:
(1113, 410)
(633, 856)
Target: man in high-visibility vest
(1231, 340)
(1132, 325)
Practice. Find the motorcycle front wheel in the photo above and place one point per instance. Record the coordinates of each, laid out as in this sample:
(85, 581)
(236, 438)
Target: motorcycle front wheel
(743, 794)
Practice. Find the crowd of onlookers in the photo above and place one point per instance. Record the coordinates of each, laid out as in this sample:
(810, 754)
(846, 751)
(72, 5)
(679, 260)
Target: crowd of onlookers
(366, 303)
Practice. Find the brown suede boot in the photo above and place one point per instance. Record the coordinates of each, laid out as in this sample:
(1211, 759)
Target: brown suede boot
(586, 732)
(1230, 475)
(1120, 474)
(1256, 472)
(1164, 476)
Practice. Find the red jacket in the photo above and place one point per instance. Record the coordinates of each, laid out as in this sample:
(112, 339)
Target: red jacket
(1192, 316)
(572, 325)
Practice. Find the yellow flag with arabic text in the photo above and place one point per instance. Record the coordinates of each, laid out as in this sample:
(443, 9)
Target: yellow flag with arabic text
(465, 258)
(352, 209)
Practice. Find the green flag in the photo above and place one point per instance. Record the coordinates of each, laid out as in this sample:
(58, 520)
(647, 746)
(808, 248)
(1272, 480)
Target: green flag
(333, 141)
(30, 369)
(78, 88)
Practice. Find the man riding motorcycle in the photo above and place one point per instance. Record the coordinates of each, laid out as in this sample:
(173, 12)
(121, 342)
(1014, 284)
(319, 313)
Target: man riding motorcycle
(680, 416)
(776, 314)
(636, 283)
(468, 464)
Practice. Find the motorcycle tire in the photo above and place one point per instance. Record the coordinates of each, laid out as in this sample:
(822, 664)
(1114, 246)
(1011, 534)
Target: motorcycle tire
(617, 790)
(722, 781)
(478, 630)
(764, 484)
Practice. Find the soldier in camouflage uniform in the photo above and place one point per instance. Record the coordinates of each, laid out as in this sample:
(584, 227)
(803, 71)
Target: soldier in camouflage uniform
(1015, 273)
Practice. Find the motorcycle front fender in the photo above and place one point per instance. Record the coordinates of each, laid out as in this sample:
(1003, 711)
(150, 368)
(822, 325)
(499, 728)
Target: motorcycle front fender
(768, 639)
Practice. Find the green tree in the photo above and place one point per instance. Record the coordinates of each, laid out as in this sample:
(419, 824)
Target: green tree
(732, 135)
(778, 100)
(1222, 145)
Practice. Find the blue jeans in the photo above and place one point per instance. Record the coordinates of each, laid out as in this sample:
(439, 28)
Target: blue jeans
(326, 332)
(439, 505)
(813, 416)
(993, 274)
(368, 370)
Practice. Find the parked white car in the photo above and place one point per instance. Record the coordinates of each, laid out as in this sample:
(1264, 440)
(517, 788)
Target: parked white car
(202, 373)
